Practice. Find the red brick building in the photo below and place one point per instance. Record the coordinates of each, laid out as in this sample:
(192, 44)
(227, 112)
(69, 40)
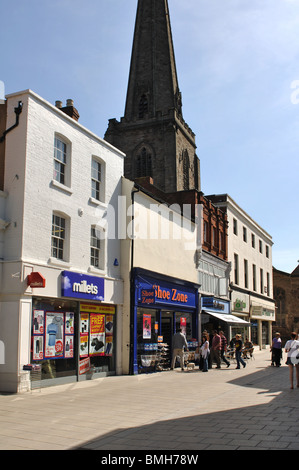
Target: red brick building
(286, 295)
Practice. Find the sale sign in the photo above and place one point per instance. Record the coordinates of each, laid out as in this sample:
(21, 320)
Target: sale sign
(97, 335)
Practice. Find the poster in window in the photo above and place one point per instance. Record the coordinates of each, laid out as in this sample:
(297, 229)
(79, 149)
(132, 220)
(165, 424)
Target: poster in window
(38, 322)
(54, 337)
(147, 326)
(84, 323)
(38, 348)
(109, 325)
(183, 325)
(69, 347)
(83, 345)
(69, 323)
(84, 334)
(109, 346)
(97, 335)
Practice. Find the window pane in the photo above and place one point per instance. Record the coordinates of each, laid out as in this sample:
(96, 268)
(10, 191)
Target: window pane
(95, 244)
(58, 236)
(59, 161)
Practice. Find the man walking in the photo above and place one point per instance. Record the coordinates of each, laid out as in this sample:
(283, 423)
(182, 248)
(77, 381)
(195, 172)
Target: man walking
(276, 350)
(216, 349)
(223, 348)
(178, 344)
(238, 346)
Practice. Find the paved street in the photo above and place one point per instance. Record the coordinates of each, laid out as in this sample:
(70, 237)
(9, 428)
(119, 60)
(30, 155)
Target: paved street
(251, 408)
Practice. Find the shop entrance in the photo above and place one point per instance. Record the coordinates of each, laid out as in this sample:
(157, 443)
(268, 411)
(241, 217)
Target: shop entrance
(167, 332)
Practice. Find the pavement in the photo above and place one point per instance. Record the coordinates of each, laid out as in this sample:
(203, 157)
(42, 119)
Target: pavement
(176, 411)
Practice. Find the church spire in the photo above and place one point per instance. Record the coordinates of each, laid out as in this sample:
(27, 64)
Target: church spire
(156, 140)
(153, 84)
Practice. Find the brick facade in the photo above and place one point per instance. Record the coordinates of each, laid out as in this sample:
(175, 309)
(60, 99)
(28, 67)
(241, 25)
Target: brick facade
(286, 295)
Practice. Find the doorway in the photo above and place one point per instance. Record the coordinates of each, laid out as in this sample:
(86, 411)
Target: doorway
(167, 332)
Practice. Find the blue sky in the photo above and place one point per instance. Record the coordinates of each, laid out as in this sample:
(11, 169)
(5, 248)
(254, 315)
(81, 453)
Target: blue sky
(237, 61)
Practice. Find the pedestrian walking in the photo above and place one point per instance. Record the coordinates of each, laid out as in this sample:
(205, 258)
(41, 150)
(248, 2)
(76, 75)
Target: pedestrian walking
(248, 348)
(178, 344)
(223, 348)
(216, 349)
(238, 346)
(276, 349)
(292, 349)
(205, 351)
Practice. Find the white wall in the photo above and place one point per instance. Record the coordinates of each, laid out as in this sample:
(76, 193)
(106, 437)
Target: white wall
(42, 197)
(244, 250)
(30, 199)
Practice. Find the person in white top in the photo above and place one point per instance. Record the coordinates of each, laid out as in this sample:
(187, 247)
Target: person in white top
(292, 349)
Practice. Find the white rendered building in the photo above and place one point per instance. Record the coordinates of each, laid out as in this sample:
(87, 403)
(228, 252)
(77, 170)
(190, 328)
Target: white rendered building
(250, 254)
(60, 290)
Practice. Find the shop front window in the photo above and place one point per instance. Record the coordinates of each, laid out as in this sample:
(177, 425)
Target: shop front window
(54, 338)
(97, 337)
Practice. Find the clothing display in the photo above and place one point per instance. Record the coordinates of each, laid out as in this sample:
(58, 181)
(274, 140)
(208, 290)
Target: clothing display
(52, 332)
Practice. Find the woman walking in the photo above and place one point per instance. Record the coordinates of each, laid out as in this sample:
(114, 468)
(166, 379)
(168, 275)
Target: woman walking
(205, 353)
(292, 349)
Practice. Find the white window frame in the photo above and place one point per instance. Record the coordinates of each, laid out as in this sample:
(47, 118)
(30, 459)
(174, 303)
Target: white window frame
(97, 194)
(61, 228)
(95, 248)
(62, 158)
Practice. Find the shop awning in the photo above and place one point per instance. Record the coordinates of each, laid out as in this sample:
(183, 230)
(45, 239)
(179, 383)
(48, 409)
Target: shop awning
(228, 318)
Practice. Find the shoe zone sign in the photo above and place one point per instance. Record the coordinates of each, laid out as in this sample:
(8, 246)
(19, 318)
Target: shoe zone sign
(82, 286)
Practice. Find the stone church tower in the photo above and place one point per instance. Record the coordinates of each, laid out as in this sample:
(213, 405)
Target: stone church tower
(153, 134)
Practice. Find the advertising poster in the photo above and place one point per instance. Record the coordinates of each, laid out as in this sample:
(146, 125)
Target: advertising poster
(84, 334)
(109, 325)
(109, 346)
(38, 348)
(183, 325)
(38, 322)
(69, 346)
(54, 338)
(97, 335)
(69, 323)
(83, 345)
(147, 326)
(84, 366)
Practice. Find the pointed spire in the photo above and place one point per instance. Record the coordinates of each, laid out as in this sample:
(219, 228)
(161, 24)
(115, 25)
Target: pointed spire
(153, 134)
(153, 84)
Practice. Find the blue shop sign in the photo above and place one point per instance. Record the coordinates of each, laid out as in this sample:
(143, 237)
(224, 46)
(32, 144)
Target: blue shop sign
(215, 305)
(82, 286)
(166, 294)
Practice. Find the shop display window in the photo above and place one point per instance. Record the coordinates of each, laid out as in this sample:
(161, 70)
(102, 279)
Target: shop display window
(54, 338)
(97, 333)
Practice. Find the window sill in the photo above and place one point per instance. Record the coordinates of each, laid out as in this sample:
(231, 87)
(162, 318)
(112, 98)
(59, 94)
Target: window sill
(94, 270)
(59, 263)
(62, 187)
(96, 202)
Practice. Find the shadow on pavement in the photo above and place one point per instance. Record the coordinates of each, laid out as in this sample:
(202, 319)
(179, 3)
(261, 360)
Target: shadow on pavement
(273, 425)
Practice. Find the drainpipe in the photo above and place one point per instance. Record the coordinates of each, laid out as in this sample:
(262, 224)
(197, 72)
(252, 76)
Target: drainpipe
(133, 326)
(18, 111)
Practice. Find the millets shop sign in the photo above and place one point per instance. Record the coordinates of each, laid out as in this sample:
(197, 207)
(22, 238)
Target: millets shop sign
(82, 286)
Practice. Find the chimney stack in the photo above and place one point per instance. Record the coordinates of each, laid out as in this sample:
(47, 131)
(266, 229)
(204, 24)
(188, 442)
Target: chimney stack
(69, 109)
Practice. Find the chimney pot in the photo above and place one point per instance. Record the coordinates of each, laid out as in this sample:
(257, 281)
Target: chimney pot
(58, 104)
(69, 102)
